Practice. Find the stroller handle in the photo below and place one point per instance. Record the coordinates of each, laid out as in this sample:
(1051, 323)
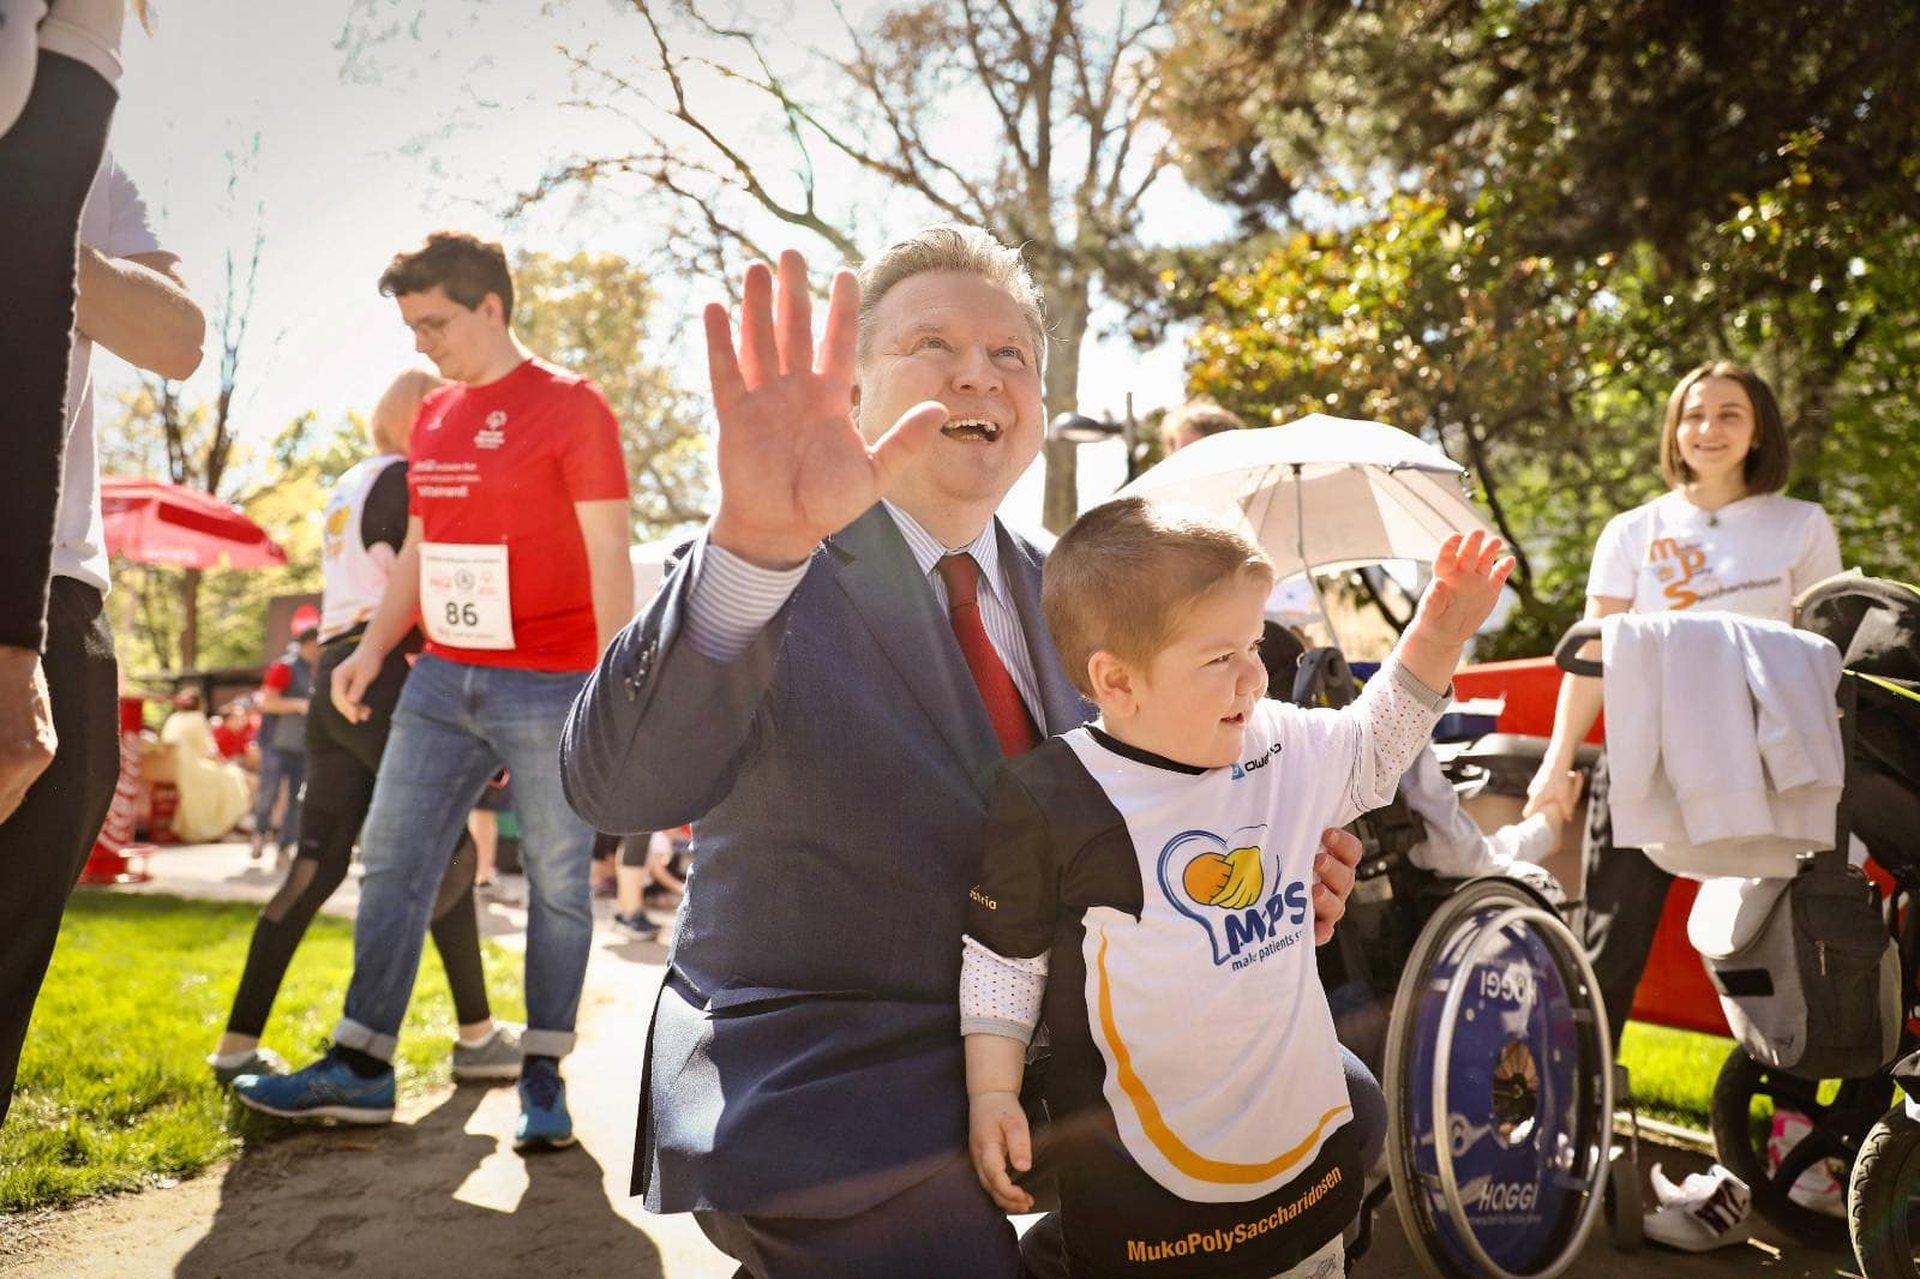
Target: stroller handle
(1567, 653)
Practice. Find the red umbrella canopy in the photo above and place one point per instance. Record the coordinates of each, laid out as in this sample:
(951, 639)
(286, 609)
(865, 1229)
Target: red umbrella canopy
(153, 522)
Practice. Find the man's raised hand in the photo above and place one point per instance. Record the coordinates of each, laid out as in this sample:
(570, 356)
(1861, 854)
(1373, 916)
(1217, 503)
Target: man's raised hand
(793, 466)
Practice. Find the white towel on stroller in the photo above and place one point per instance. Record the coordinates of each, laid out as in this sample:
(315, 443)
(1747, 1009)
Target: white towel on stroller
(1723, 742)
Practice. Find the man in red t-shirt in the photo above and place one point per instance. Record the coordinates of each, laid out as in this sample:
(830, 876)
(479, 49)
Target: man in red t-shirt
(515, 566)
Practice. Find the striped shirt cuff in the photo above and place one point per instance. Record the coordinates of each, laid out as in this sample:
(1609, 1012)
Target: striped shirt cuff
(731, 601)
(1416, 687)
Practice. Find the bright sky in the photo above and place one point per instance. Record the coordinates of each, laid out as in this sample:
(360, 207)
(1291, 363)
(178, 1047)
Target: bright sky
(359, 153)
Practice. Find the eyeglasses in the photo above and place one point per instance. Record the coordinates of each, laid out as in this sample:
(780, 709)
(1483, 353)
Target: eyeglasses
(431, 326)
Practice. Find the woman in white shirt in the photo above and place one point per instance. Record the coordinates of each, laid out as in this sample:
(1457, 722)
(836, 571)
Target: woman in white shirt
(1722, 538)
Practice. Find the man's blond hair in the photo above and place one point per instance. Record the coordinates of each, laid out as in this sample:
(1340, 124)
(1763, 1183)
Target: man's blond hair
(965, 250)
(1126, 575)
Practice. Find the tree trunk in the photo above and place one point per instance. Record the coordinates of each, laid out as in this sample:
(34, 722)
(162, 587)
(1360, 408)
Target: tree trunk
(1067, 306)
(189, 618)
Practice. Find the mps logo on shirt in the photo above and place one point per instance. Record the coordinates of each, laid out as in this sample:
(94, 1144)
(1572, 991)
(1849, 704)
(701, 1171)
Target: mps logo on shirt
(1232, 888)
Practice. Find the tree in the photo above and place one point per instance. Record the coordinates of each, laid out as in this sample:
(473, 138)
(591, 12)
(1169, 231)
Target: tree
(1548, 379)
(593, 313)
(1626, 121)
(1414, 316)
(190, 442)
(1614, 191)
(1061, 102)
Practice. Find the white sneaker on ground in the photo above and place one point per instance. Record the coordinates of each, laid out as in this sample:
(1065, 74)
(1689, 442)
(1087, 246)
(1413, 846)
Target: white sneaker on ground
(1708, 1210)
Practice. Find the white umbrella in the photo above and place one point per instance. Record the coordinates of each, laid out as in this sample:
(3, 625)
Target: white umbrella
(1323, 493)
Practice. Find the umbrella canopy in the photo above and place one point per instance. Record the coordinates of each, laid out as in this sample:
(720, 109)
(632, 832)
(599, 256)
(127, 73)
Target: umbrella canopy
(1323, 493)
(153, 522)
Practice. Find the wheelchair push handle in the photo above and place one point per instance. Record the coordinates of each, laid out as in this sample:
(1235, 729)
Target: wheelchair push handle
(1567, 653)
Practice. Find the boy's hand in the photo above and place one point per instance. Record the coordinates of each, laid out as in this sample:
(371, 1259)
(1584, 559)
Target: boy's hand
(997, 1136)
(1467, 577)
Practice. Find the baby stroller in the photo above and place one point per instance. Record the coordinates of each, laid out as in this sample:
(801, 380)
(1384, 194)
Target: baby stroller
(1826, 1121)
(1496, 1065)
(1876, 625)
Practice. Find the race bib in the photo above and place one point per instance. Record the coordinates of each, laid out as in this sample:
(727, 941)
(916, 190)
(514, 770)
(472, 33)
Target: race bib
(464, 600)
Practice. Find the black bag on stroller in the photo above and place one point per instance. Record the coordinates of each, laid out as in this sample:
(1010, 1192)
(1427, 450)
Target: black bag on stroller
(1875, 623)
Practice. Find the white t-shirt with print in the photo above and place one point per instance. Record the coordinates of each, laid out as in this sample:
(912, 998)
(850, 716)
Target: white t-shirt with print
(115, 222)
(1750, 557)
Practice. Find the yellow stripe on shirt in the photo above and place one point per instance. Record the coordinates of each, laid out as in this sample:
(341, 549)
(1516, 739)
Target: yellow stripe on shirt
(1183, 1157)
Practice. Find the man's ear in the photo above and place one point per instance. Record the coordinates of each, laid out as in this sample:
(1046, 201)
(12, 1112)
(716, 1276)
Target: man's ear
(1112, 681)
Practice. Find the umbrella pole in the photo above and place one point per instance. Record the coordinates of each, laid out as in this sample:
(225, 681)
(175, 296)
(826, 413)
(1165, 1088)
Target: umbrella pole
(1300, 545)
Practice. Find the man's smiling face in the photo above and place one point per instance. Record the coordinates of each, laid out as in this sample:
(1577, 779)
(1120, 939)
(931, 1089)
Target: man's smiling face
(963, 341)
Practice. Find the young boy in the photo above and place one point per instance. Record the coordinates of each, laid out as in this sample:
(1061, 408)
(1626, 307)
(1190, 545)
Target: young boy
(1145, 892)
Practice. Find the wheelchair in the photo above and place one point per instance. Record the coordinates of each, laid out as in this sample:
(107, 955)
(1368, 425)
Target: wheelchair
(1495, 1058)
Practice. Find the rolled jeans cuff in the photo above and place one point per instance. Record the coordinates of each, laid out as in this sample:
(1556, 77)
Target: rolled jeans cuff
(351, 1034)
(546, 1043)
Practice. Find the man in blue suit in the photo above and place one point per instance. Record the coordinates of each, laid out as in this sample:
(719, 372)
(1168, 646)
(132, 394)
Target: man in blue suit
(824, 685)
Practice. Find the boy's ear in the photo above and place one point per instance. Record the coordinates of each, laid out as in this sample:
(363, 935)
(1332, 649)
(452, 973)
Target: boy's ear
(1112, 682)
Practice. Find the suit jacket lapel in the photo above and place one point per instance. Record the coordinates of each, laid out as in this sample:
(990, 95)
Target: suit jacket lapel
(1062, 706)
(884, 584)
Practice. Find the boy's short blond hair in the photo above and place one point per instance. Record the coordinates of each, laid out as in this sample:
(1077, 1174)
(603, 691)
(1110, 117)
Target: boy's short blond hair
(1126, 574)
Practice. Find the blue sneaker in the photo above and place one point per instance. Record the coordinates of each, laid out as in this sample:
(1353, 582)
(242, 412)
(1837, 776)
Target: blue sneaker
(544, 1121)
(328, 1089)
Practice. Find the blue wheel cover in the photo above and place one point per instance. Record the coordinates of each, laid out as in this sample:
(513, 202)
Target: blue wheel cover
(1513, 1095)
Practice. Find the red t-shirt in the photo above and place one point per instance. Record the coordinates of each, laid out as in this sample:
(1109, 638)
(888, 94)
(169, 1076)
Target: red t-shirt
(503, 464)
(232, 743)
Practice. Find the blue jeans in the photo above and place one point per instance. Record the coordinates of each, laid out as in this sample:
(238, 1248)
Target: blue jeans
(276, 763)
(455, 725)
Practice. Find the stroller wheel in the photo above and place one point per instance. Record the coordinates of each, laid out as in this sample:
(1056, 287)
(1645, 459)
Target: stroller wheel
(1623, 1203)
(1883, 1199)
(1747, 1097)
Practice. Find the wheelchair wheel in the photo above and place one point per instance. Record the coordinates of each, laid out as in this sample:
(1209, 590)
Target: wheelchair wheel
(1745, 1099)
(1499, 1085)
(1883, 1199)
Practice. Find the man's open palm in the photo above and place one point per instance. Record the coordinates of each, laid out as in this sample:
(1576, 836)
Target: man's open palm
(793, 467)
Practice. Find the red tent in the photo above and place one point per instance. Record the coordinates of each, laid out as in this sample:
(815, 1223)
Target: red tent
(153, 522)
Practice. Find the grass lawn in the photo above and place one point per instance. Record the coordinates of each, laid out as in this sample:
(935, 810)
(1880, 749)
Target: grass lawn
(1673, 1071)
(114, 1090)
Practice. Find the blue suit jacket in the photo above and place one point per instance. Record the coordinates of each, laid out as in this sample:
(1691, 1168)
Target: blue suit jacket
(805, 1055)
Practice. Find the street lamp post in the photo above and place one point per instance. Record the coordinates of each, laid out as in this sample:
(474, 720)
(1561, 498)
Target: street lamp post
(1078, 428)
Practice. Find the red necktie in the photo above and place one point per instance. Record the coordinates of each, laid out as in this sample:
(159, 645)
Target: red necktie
(1011, 722)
